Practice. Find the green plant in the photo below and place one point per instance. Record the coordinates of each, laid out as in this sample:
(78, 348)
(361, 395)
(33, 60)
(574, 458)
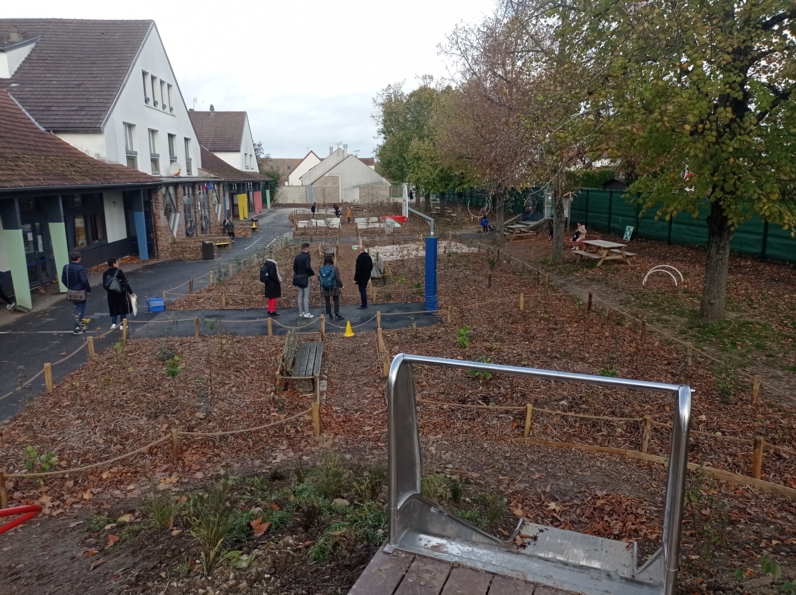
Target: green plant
(35, 462)
(482, 374)
(612, 371)
(173, 366)
(789, 588)
(494, 506)
(435, 487)
(166, 350)
(368, 486)
(770, 567)
(330, 477)
(211, 518)
(417, 285)
(161, 508)
(463, 337)
(22, 375)
(97, 523)
(707, 514)
(118, 347)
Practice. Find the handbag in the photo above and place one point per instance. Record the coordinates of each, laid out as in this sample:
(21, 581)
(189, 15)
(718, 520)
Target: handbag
(133, 304)
(113, 285)
(301, 280)
(76, 295)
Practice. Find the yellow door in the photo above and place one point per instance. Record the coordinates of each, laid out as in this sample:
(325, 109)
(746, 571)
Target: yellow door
(243, 206)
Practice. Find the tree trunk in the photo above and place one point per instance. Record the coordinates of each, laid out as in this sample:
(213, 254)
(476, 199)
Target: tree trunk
(459, 209)
(427, 200)
(499, 204)
(559, 223)
(714, 288)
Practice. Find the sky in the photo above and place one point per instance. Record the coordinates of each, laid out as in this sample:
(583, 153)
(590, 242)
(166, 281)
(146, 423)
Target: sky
(306, 71)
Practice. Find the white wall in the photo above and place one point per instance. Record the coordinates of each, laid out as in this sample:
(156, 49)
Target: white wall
(5, 265)
(324, 167)
(353, 174)
(309, 161)
(114, 216)
(234, 159)
(247, 146)
(10, 60)
(132, 109)
(94, 145)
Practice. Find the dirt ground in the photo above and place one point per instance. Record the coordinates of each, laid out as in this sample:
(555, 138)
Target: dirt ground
(127, 399)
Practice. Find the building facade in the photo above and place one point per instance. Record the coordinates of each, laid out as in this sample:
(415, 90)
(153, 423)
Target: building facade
(228, 136)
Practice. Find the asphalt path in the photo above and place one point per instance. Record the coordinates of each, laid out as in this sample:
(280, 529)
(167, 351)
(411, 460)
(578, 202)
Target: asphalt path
(28, 341)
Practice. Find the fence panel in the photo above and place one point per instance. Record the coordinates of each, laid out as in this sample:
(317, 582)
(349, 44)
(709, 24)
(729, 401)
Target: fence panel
(651, 228)
(748, 238)
(623, 212)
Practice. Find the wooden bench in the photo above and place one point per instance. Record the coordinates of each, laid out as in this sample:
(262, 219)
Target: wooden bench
(618, 251)
(301, 363)
(587, 254)
(222, 244)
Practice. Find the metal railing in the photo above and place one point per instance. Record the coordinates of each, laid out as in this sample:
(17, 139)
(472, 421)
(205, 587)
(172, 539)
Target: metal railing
(418, 525)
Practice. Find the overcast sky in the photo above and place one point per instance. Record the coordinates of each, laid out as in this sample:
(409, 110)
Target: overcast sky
(306, 71)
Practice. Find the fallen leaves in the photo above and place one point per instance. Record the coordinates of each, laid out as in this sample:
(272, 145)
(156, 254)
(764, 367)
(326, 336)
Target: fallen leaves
(259, 527)
(112, 539)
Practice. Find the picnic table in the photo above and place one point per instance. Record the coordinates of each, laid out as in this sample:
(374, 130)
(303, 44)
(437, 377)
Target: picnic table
(602, 250)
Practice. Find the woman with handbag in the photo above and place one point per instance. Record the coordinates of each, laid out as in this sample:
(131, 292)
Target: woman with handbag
(119, 291)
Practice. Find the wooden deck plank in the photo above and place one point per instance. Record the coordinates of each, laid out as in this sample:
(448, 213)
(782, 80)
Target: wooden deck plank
(502, 585)
(383, 574)
(302, 357)
(424, 577)
(466, 581)
(316, 369)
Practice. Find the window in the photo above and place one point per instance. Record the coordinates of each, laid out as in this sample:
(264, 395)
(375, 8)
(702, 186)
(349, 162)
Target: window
(154, 90)
(189, 204)
(154, 157)
(172, 148)
(188, 171)
(97, 226)
(129, 146)
(81, 236)
(163, 93)
(168, 95)
(145, 75)
(170, 209)
(85, 218)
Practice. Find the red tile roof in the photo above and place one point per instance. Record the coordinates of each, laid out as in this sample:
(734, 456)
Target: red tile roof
(71, 78)
(33, 158)
(368, 160)
(285, 167)
(219, 168)
(219, 131)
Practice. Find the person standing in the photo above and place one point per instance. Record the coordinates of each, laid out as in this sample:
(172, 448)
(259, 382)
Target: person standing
(302, 271)
(269, 275)
(336, 210)
(312, 210)
(349, 213)
(485, 223)
(75, 279)
(229, 229)
(119, 291)
(331, 284)
(364, 267)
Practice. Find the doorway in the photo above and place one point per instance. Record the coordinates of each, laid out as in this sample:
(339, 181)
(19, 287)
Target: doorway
(36, 238)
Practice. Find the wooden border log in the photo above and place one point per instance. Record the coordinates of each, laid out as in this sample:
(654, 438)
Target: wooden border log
(48, 377)
(588, 308)
(90, 347)
(3, 490)
(316, 418)
(124, 330)
(175, 445)
(190, 285)
(528, 419)
(322, 319)
(270, 327)
(522, 302)
(756, 390)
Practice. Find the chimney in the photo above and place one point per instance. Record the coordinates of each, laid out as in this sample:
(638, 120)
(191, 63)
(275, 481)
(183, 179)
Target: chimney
(13, 35)
(331, 150)
(212, 109)
(345, 149)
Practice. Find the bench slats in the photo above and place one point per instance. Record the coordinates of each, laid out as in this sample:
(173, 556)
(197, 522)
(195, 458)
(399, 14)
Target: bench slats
(308, 359)
(587, 254)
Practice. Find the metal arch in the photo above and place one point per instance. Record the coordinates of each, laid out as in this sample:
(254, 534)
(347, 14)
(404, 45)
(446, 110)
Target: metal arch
(662, 268)
(419, 526)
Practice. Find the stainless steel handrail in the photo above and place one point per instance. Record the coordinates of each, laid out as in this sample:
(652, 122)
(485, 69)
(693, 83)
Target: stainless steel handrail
(405, 467)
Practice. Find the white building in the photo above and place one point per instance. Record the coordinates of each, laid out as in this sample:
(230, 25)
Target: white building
(228, 136)
(346, 178)
(310, 160)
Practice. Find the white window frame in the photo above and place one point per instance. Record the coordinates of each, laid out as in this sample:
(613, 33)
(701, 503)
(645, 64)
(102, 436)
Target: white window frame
(171, 103)
(188, 163)
(154, 80)
(154, 156)
(145, 76)
(163, 94)
(172, 148)
(129, 145)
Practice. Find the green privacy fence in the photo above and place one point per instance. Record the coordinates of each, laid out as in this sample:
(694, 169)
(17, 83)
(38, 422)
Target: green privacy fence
(607, 211)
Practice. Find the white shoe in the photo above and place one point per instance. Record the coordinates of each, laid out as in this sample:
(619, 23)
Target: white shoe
(11, 306)
(308, 315)
(113, 327)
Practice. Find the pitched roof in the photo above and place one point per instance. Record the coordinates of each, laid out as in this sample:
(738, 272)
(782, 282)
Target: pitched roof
(219, 168)
(285, 167)
(71, 78)
(33, 158)
(219, 131)
(368, 161)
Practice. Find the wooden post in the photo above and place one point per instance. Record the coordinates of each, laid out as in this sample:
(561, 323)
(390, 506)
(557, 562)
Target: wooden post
(124, 330)
(528, 418)
(211, 277)
(48, 377)
(90, 345)
(190, 285)
(3, 490)
(374, 294)
(449, 313)
(223, 300)
(323, 326)
(196, 326)
(230, 270)
(317, 382)
(756, 390)
(175, 445)
(522, 302)
(498, 256)
(385, 362)
(164, 297)
(316, 418)
(588, 308)
(378, 319)
(645, 434)
(380, 341)
(643, 329)
(757, 458)
(270, 327)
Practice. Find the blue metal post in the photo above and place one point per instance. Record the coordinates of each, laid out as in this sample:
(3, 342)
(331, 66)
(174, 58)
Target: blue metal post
(431, 273)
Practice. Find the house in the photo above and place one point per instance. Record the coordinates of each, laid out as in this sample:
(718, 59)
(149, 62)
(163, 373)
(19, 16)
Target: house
(238, 192)
(55, 199)
(284, 166)
(342, 177)
(227, 135)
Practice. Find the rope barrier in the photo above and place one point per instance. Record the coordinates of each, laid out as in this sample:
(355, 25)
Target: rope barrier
(32, 378)
(155, 443)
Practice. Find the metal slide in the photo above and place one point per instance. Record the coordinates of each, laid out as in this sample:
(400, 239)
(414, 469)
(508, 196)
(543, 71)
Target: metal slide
(561, 559)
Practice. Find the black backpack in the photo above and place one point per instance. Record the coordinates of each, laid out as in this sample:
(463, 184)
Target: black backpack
(265, 273)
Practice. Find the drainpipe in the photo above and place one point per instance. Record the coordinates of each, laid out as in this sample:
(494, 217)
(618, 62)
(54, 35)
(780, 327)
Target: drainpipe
(431, 264)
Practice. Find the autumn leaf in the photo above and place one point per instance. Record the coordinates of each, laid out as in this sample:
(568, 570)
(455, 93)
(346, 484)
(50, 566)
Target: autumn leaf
(275, 506)
(87, 495)
(518, 540)
(259, 527)
(112, 539)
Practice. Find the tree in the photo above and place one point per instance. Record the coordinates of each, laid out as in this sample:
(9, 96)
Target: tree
(259, 152)
(701, 93)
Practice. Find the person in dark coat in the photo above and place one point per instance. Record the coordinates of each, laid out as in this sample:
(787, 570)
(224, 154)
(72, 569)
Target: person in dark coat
(334, 292)
(118, 303)
(312, 209)
(229, 228)
(302, 271)
(362, 272)
(269, 275)
(74, 277)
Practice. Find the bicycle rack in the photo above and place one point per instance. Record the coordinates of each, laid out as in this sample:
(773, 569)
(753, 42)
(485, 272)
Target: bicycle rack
(561, 559)
(27, 512)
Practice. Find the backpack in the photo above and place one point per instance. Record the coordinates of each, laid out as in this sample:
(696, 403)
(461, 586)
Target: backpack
(326, 277)
(265, 277)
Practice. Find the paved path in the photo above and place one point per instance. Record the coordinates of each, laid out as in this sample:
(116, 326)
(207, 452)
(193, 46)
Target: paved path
(27, 341)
